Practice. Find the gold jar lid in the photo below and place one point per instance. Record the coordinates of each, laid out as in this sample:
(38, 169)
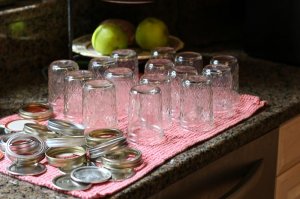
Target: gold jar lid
(66, 158)
(36, 111)
(99, 136)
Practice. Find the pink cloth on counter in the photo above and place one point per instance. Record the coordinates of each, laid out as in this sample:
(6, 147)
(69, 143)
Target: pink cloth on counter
(177, 140)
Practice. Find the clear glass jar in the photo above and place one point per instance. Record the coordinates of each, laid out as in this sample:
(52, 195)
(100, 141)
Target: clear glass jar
(123, 79)
(163, 82)
(178, 73)
(232, 63)
(56, 74)
(224, 97)
(74, 82)
(164, 52)
(145, 115)
(99, 65)
(158, 66)
(189, 58)
(99, 105)
(196, 103)
(127, 58)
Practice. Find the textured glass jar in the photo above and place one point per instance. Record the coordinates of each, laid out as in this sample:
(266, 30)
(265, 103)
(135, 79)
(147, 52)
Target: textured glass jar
(99, 65)
(178, 73)
(74, 82)
(164, 52)
(56, 74)
(123, 80)
(196, 103)
(189, 58)
(127, 58)
(224, 97)
(163, 82)
(99, 105)
(232, 63)
(159, 66)
(145, 115)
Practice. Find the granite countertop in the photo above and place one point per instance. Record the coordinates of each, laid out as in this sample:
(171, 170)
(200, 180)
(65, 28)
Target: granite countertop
(276, 83)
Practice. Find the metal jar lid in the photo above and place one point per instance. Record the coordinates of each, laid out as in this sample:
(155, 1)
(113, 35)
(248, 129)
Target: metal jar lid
(65, 127)
(66, 158)
(36, 111)
(90, 174)
(17, 125)
(122, 159)
(99, 136)
(106, 147)
(65, 183)
(26, 170)
(39, 130)
(66, 141)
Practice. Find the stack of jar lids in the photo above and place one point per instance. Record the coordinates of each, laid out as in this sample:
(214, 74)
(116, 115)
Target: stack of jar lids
(81, 178)
(122, 163)
(36, 111)
(71, 134)
(69, 151)
(65, 128)
(25, 151)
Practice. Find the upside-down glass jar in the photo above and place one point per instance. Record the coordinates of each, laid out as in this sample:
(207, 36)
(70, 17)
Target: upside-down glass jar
(56, 74)
(74, 82)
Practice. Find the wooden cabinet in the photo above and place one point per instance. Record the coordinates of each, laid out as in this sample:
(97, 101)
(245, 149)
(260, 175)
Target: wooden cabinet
(288, 184)
(248, 172)
(288, 163)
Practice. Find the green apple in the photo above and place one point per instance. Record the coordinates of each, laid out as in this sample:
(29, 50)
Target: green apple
(151, 33)
(18, 29)
(126, 26)
(108, 37)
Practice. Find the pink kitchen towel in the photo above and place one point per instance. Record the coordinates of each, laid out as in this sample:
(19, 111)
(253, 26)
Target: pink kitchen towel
(177, 140)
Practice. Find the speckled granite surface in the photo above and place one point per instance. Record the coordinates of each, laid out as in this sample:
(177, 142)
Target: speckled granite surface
(276, 83)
